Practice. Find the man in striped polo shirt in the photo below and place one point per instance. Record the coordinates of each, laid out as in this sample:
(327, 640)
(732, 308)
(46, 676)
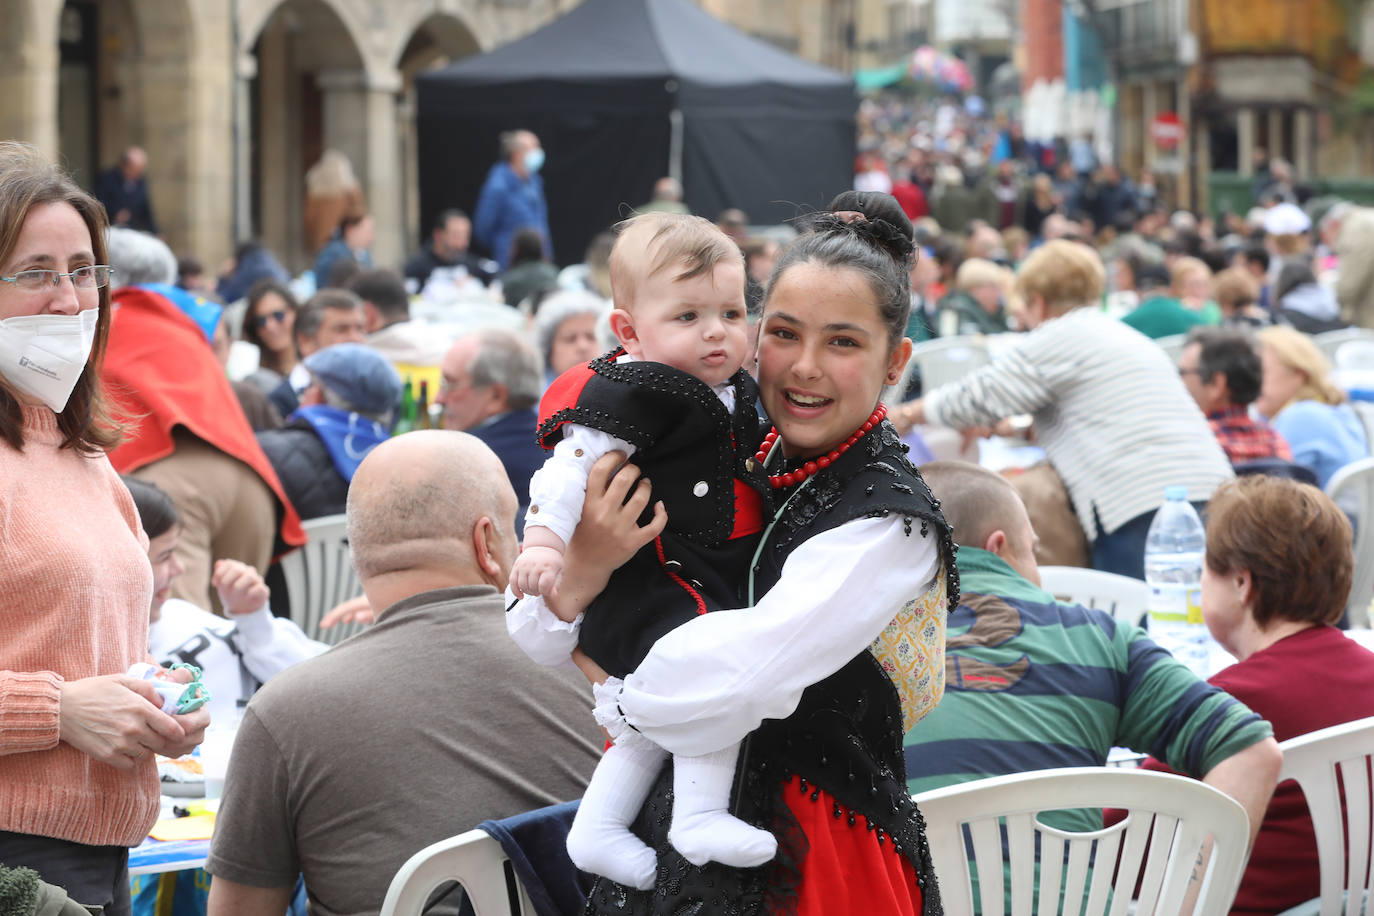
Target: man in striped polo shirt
(1032, 684)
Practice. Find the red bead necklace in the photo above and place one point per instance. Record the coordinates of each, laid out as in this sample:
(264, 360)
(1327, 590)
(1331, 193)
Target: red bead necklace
(777, 481)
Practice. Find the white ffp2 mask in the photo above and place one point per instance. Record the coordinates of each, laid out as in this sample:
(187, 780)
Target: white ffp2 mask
(43, 355)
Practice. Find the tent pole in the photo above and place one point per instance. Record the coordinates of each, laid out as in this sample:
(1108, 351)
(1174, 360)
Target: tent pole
(675, 145)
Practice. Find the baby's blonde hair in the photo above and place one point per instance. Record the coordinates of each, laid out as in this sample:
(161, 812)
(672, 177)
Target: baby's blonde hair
(650, 242)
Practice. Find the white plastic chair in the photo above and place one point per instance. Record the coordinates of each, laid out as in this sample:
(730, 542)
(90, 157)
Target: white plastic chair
(1124, 598)
(1365, 411)
(1182, 812)
(1355, 355)
(948, 359)
(319, 576)
(1352, 488)
(1329, 342)
(474, 860)
(1173, 346)
(1315, 760)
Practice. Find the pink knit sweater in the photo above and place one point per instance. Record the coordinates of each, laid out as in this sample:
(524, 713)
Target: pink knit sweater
(76, 586)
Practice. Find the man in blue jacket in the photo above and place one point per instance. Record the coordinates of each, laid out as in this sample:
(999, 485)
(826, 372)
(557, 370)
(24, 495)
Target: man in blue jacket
(512, 197)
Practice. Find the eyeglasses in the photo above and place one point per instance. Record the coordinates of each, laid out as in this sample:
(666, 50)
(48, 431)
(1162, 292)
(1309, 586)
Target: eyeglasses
(1183, 371)
(96, 276)
(260, 321)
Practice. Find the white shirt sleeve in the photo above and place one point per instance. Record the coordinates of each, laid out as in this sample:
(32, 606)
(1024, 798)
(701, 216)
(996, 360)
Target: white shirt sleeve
(713, 680)
(539, 633)
(270, 644)
(558, 488)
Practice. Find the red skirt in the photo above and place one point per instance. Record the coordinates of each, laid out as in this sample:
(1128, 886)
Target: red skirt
(847, 870)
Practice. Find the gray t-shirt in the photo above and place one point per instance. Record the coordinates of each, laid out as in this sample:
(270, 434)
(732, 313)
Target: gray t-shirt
(410, 732)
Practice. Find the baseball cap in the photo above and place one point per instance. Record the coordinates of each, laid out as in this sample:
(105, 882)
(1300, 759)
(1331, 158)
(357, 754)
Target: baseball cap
(358, 374)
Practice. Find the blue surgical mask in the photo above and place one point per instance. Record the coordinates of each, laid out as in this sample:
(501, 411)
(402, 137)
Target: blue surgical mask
(534, 160)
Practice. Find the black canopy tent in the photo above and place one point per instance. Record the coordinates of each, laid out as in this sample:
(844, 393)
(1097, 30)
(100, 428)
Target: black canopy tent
(623, 92)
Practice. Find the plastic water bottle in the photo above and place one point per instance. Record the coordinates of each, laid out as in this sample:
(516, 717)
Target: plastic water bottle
(1173, 569)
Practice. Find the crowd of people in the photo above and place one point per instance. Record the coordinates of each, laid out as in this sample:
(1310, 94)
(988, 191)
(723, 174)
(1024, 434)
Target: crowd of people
(167, 432)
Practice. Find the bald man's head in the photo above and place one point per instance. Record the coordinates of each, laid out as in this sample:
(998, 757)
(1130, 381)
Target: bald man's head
(417, 503)
(985, 512)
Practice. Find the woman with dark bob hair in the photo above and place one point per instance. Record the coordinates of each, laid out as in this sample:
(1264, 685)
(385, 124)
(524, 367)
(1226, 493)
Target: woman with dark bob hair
(1275, 579)
(78, 780)
(269, 324)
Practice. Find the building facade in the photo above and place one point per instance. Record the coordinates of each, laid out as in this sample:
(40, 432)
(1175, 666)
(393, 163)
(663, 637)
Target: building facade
(845, 35)
(1241, 87)
(235, 99)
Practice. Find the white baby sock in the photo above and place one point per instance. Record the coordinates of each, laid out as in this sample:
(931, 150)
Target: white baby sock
(600, 840)
(702, 829)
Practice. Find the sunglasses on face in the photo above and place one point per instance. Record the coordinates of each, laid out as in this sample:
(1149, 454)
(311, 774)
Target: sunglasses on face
(260, 321)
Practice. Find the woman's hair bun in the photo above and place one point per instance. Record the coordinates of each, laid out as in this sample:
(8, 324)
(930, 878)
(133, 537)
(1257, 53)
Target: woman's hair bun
(879, 233)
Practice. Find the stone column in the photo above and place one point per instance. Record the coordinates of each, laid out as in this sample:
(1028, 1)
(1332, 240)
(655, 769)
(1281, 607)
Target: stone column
(245, 71)
(277, 134)
(1245, 141)
(29, 62)
(1149, 108)
(1302, 142)
(1275, 140)
(360, 121)
(1187, 180)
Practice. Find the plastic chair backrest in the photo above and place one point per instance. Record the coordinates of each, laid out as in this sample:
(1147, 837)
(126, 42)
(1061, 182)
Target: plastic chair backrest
(1173, 346)
(1329, 342)
(948, 359)
(1169, 819)
(1124, 598)
(319, 576)
(474, 860)
(1352, 488)
(1328, 764)
(1365, 411)
(1356, 354)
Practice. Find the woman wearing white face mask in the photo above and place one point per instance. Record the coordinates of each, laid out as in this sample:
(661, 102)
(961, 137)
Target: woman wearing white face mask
(78, 780)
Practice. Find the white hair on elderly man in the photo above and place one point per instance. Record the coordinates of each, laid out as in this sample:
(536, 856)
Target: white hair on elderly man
(139, 258)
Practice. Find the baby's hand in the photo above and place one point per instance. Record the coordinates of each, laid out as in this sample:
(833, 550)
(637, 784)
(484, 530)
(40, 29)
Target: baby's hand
(241, 589)
(536, 571)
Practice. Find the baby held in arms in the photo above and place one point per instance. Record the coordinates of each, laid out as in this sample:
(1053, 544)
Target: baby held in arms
(673, 396)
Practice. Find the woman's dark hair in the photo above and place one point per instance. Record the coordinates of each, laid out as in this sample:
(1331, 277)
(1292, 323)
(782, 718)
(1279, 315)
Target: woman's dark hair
(874, 205)
(29, 180)
(250, 332)
(879, 246)
(155, 508)
(526, 245)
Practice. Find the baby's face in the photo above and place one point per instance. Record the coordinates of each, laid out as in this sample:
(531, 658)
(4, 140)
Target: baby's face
(696, 325)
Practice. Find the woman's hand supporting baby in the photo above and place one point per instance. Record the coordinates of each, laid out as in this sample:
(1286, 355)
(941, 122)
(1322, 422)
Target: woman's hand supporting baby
(608, 535)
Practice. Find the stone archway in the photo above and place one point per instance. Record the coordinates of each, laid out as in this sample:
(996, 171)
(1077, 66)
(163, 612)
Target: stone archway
(131, 72)
(309, 92)
(436, 40)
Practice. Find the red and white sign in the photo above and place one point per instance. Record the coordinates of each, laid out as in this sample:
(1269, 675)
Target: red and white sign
(1167, 130)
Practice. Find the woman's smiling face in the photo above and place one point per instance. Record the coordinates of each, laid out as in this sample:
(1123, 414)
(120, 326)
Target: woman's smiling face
(824, 356)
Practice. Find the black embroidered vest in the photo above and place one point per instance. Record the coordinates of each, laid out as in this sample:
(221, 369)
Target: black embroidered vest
(845, 737)
(693, 451)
